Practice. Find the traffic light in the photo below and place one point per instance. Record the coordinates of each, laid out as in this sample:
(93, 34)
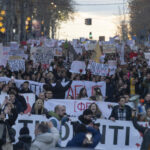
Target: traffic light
(2, 21)
(28, 25)
(90, 36)
(42, 28)
(88, 21)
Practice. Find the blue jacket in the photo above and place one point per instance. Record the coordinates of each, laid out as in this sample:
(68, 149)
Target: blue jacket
(77, 140)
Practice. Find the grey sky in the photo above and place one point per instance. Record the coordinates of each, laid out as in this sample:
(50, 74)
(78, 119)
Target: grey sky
(100, 9)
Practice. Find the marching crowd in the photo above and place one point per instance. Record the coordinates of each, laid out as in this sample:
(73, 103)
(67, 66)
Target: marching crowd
(131, 80)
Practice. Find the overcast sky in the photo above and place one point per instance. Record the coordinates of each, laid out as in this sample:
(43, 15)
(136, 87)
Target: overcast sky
(104, 19)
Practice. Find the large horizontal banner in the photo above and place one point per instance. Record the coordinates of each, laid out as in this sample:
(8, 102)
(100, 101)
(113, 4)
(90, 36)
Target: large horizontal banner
(76, 86)
(118, 135)
(75, 108)
(36, 87)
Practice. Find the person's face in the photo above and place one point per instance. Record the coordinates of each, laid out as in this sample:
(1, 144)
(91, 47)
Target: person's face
(84, 91)
(93, 108)
(40, 103)
(122, 102)
(12, 97)
(148, 76)
(148, 112)
(62, 111)
(49, 94)
(6, 88)
(25, 85)
(147, 98)
(42, 96)
(127, 98)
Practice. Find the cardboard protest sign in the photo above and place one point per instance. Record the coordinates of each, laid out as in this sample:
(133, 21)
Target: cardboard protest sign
(58, 51)
(43, 55)
(109, 49)
(14, 46)
(78, 67)
(16, 64)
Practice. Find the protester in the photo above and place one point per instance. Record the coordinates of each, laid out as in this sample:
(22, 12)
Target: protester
(8, 133)
(46, 137)
(145, 131)
(97, 95)
(83, 94)
(96, 111)
(82, 129)
(24, 138)
(17, 104)
(58, 117)
(121, 111)
(25, 88)
(38, 108)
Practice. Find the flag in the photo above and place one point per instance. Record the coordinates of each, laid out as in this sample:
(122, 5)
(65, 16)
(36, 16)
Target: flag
(97, 53)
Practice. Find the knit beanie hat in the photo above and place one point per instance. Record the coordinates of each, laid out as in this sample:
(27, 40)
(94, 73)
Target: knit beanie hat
(87, 112)
(24, 130)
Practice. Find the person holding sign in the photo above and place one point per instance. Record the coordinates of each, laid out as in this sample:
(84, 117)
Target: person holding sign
(145, 131)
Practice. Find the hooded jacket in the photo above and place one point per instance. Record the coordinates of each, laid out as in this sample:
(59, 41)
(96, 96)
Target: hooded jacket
(45, 141)
(24, 140)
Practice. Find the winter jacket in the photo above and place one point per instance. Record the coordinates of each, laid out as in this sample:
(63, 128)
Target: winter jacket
(58, 90)
(24, 140)
(8, 123)
(77, 140)
(22, 101)
(46, 141)
(19, 106)
(146, 134)
(114, 112)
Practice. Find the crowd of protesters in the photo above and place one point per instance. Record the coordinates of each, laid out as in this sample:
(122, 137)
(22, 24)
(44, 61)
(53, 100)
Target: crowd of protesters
(130, 79)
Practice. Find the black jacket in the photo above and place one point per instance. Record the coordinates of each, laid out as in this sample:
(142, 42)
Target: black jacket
(25, 141)
(9, 123)
(114, 112)
(146, 134)
(59, 91)
(22, 101)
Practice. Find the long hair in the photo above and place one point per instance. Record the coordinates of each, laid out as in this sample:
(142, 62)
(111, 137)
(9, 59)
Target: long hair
(97, 109)
(36, 107)
(81, 93)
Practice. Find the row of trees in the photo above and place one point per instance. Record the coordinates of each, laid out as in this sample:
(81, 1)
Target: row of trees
(48, 13)
(139, 18)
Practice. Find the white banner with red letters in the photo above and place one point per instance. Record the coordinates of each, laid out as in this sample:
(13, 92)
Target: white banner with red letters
(75, 108)
(76, 86)
(118, 135)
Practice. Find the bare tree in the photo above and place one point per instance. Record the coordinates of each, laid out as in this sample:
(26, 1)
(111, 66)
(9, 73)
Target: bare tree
(139, 18)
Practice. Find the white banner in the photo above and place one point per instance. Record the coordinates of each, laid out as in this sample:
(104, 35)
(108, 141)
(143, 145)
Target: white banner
(76, 86)
(75, 108)
(36, 87)
(118, 135)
